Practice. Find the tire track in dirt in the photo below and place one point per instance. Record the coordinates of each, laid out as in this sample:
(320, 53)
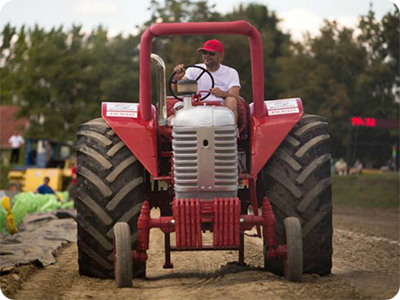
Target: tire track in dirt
(367, 251)
(53, 280)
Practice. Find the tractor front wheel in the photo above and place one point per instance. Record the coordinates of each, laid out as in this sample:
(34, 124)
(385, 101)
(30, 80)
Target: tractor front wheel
(122, 255)
(293, 264)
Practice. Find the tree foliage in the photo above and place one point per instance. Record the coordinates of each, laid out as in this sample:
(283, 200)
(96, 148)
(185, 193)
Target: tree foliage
(59, 77)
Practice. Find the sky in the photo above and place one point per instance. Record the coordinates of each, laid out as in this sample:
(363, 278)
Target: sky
(122, 16)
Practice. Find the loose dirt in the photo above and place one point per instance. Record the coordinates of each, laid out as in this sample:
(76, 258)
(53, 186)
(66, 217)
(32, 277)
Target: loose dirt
(366, 266)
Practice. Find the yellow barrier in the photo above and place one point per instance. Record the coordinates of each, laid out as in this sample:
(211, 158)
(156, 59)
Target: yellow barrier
(10, 222)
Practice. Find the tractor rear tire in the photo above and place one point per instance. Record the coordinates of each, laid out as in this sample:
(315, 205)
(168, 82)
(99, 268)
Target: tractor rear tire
(297, 181)
(109, 190)
(294, 241)
(122, 255)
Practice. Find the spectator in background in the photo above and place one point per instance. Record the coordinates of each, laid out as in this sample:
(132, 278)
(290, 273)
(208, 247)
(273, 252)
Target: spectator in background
(16, 141)
(45, 188)
(341, 167)
(357, 168)
(388, 167)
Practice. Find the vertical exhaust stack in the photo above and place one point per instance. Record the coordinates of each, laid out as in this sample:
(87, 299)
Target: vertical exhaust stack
(161, 89)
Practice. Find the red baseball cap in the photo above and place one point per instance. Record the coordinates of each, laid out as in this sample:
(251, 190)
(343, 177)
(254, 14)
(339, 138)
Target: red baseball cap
(212, 46)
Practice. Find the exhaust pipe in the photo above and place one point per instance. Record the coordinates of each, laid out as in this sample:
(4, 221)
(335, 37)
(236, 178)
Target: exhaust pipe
(161, 89)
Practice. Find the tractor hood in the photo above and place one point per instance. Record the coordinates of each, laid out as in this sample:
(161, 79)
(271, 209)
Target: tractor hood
(204, 116)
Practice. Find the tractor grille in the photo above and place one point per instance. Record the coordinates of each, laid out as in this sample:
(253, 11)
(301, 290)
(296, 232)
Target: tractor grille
(185, 157)
(226, 174)
(205, 162)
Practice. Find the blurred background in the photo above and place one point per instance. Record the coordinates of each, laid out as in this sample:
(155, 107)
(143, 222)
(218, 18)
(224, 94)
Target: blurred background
(61, 59)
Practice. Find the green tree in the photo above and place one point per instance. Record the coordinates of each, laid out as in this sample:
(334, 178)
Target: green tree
(275, 45)
(324, 73)
(391, 33)
(58, 78)
(380, 83)
(6, 67)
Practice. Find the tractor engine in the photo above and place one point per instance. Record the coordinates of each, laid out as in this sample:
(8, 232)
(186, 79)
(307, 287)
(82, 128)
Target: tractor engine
(205, 155)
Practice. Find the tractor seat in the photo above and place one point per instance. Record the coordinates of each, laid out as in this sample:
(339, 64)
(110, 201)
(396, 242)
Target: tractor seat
(243, 114)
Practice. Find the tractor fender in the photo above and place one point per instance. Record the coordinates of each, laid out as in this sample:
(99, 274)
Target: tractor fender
(269, 131)
(140, 136)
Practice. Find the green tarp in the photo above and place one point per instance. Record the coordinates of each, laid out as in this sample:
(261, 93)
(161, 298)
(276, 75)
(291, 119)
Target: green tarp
(24, 203)
(3, 216)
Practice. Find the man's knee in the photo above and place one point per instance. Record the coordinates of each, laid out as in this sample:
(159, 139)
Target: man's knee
(231, 102)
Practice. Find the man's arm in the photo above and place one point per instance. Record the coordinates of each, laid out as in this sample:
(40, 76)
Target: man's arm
(232, 92)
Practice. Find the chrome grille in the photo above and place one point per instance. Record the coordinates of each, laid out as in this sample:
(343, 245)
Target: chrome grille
(226, 173)
(205, 162)
(185, 157)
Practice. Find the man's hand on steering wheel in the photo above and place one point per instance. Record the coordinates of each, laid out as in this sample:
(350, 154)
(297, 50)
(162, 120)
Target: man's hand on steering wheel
(179, 72)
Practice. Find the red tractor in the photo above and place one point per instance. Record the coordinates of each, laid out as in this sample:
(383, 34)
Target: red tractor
(275, 160)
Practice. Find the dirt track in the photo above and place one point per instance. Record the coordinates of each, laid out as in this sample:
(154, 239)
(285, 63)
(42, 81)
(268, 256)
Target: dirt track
(366, 266)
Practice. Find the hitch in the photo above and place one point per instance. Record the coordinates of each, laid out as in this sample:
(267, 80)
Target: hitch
(191, 217)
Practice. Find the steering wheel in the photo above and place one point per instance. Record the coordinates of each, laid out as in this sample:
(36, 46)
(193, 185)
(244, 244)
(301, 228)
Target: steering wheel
(172, 81)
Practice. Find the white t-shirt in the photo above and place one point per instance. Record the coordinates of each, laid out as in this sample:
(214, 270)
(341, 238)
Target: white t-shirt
(16, 141)
(224, 78)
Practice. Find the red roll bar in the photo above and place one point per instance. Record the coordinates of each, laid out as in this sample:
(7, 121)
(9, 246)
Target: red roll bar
(237, 27)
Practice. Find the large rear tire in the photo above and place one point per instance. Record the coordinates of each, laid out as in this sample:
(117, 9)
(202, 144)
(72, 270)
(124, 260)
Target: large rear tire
(297, 181)
(109, 190)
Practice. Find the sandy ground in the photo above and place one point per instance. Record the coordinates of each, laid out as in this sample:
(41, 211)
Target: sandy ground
(366, 266)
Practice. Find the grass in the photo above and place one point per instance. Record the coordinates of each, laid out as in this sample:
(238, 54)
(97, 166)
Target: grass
(367, 190)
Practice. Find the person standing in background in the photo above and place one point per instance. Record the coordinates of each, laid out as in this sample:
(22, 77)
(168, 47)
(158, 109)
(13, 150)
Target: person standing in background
(16, 141)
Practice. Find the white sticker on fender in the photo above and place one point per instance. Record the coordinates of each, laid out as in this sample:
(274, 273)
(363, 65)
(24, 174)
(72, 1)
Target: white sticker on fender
(114, 106)
(122, 114)
(122, 110)
(282, 104)
(283, 111)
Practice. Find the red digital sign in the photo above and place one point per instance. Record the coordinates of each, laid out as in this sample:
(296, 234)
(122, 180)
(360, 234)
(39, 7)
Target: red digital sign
(367, 122)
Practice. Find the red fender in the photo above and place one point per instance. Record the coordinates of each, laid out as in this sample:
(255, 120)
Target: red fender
(268, 132)
(139, 136)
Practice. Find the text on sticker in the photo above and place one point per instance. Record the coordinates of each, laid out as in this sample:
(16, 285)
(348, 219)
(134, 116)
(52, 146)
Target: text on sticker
(122, 106)
(122, 114)
(279, 104)
(283, 111)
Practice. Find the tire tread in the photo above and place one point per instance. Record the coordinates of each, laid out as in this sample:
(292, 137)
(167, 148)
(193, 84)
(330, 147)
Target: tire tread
(303, 192)
(95, 215)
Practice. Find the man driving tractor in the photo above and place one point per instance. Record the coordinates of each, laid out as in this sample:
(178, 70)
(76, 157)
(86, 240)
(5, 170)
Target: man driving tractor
(227, 83)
